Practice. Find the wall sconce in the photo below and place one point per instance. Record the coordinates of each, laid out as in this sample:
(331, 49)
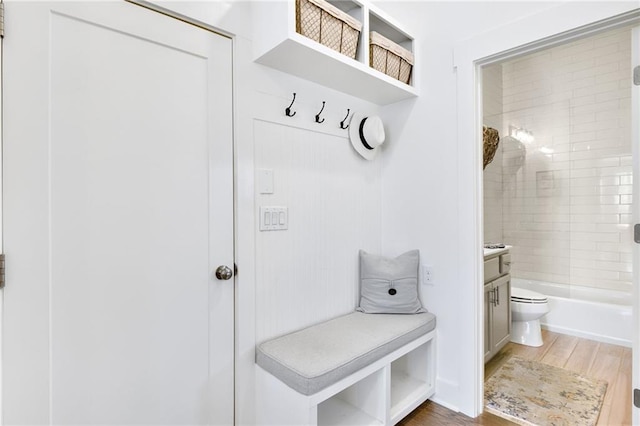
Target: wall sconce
(523, 135)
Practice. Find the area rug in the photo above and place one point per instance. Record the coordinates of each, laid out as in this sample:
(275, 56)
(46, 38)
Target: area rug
(532, 393)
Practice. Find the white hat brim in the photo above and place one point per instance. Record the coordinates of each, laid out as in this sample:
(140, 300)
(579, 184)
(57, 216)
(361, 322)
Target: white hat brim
(354, 137)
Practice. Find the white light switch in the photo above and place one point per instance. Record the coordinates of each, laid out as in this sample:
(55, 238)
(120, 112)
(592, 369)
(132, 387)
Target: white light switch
(274, 218)
(264, 181)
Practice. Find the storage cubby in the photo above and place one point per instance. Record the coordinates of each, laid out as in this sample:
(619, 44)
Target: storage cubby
(381, 393)
(357, 11)
(412, 380)
(278, 45)
(390, 31)
(362, 403)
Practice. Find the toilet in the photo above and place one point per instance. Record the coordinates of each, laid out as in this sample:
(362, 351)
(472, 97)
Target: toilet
(527, 307)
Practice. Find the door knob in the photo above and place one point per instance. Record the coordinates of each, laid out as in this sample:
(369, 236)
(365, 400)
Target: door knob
(224, 273)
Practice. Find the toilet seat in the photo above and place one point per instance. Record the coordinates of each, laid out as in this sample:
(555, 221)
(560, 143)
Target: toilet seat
(521, 295)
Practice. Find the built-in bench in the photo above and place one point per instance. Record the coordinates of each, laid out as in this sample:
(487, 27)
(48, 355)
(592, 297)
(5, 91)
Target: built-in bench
(356, 369)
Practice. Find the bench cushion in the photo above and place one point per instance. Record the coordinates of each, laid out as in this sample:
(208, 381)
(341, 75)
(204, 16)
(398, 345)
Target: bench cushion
(311, 359)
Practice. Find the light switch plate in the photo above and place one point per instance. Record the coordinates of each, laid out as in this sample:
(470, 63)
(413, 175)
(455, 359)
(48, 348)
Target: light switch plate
(264, 181)
(274, 218)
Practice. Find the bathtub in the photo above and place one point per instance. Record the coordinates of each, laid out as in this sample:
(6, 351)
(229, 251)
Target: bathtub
(602, 315)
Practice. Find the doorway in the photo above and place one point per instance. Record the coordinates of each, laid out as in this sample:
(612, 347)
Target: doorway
(118, 210)
(580, 148)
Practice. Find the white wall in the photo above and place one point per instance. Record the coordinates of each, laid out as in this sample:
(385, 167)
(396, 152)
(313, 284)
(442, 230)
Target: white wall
(290, 279)
(422, 185)
(432, 179)
(309, 273)
(421, 175)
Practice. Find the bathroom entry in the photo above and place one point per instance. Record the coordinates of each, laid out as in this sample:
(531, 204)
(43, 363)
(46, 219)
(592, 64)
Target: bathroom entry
(560, 187)
(118, 208)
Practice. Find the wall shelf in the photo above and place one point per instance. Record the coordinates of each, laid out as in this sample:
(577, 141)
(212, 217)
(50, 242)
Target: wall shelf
(279, 46)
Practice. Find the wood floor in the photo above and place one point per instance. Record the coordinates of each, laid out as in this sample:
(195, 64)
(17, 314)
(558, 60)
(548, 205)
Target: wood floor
(587, 357)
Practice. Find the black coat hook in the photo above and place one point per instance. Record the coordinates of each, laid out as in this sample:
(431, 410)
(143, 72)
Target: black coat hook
(287, 111)
(318, 115)
(342, 126)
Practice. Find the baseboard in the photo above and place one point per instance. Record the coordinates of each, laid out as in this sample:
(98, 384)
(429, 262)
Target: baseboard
(446, 393)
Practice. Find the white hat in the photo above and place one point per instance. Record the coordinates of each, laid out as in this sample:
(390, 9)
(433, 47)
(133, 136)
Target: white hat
(366, 134)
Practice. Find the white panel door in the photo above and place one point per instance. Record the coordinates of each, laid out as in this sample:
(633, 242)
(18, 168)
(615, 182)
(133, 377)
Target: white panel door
(118, 210)
(635, 142)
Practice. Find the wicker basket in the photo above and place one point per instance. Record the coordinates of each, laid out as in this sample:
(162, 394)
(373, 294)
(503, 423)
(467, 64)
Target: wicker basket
(490, 141)
(390, 58)
(328, 25)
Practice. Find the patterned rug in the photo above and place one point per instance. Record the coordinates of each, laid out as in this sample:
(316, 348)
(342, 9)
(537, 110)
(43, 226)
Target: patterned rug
(532, 393)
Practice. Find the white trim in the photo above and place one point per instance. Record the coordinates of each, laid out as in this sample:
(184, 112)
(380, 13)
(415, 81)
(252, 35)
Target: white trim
(561, 23)
(635, 144)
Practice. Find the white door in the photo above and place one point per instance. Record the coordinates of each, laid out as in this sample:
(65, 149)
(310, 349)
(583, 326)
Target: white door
(118, 208)
(635, 138)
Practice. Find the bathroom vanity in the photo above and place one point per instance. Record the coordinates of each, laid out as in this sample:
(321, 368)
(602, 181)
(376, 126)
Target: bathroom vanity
(497, 300)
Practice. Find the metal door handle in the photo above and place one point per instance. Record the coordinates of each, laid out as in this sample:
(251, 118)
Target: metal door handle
(224, 273)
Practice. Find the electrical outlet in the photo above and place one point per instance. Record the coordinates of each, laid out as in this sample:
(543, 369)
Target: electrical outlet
(427, 275)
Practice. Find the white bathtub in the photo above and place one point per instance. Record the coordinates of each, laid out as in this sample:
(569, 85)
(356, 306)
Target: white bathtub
(576, 312)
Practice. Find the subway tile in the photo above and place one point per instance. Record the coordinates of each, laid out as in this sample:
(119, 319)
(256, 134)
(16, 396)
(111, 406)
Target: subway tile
(626, 257)
(616, 190)
(601, 283)
(607, 58)
(583, 117)
(626, 218)
(596, 88)
(626, 199)
(626, 160)
(616, 35)
(595, 200)
(600, 265)
(594, 181)
(621, 228)
(604, 114)
(596, 255)
(585, 120)
(616, 247)
(579, 83)
(583, 227)
(601, 109)
(580, 173)
(591, 273)
(614, 171)
(597, 162)
(598, 237)
(594, 217)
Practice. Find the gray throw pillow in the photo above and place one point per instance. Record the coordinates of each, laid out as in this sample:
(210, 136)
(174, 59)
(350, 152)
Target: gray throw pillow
(389, 286)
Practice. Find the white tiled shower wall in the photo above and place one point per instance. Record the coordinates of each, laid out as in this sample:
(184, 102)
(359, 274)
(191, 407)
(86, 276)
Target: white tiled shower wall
(566, 205)
(492, 108)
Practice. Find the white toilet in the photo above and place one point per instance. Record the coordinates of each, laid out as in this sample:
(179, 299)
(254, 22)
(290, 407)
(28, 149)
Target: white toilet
(527, 307)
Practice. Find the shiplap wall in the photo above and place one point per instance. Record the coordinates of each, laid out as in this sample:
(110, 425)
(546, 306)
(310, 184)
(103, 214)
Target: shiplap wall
(566, 209)
(309, 273)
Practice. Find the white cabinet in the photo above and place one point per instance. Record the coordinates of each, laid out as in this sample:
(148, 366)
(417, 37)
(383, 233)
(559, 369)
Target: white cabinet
(382, 393)
(497, 305)
(386, 396)
(278, 45)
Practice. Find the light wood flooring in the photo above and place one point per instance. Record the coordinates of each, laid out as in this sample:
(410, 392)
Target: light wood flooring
(587, 357)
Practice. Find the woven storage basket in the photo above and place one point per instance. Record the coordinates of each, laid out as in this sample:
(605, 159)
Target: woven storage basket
(328, 25)
(490, 141)
(390, 58)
